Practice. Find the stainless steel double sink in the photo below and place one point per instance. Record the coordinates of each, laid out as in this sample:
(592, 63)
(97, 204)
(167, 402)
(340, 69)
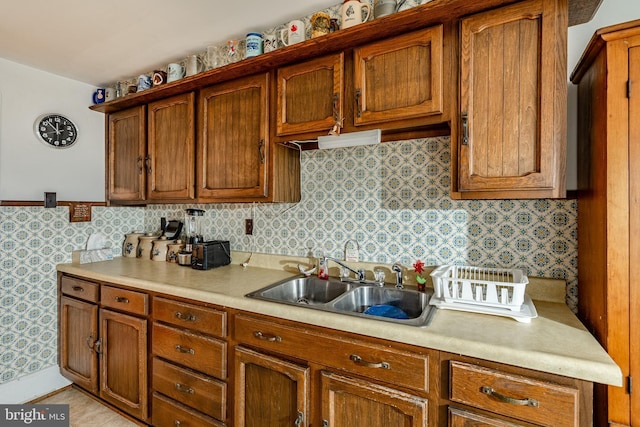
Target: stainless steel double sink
(403, 306)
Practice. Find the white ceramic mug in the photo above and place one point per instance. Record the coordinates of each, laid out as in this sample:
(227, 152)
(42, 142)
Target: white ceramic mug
(175, 71)
(195, 65)
(295, 32)
(352, 13)
(270, 42)
(109, 94)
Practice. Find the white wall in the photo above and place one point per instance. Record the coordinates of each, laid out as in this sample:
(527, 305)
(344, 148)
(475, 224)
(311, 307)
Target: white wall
(610, 12)
(28, 168)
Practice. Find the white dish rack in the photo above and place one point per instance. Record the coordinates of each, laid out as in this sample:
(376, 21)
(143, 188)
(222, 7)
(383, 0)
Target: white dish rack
(491, 287)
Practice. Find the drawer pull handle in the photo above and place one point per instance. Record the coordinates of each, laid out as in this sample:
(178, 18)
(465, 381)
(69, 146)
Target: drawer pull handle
(184, 389)
(122, 299)
(78, 289)
(270, 338)
(358, 361)
(506, 399)
(186, 317)
(185, 350)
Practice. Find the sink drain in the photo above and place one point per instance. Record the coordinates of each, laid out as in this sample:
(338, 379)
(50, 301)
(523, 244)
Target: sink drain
(302, 300)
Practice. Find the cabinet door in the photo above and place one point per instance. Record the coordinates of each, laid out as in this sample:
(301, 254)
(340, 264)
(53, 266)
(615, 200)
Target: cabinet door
(513, 101)
(123, 363)
(233, 148)
(348, 402)
(78, 333)
(399, 78)
(126, 151)
(269, 391)
(310, 95)
(170, 163)
(462, 418)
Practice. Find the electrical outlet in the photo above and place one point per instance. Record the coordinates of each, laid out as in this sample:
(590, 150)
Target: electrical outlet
(248, 227)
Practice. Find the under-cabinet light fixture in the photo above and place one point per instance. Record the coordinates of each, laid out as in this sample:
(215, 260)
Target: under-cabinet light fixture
(352, 139)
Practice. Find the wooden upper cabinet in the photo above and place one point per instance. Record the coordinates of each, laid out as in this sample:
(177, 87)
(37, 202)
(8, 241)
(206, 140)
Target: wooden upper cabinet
(511, 133)
(233, 144)
(170, 161)
(310, 95)
(399, 77)
(126, 151)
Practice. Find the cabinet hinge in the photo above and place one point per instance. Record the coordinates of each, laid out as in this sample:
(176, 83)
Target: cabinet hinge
(628, 88)
(629, 384)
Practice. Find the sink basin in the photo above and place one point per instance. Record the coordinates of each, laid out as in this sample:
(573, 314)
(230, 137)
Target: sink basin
(303, 290)
(403, 306)
(362, 299)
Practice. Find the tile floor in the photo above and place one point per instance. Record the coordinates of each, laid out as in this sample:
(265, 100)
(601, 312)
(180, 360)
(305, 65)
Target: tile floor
(85, 411)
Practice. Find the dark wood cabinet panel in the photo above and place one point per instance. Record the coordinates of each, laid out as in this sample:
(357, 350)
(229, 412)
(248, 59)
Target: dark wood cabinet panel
(171, 148)
(78, 331)
(123, 362)
(233, 145)
(126, 152)
(399, 78)
(511, 137)
(609, 209)
(347, 402)
(270, 391)
(310, 95)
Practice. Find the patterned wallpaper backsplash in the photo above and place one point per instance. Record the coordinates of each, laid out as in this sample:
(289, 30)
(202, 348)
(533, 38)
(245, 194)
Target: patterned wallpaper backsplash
(393, 199)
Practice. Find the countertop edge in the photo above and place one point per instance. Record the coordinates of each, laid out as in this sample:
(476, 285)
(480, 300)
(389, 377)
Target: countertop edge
(598, 367)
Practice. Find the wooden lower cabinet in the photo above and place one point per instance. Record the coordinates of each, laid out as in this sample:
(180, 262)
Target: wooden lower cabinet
(189, 365)
(123, 362)
(79, 330)
(348, 402)
(103, 350)
(269, 391)
(463, 418)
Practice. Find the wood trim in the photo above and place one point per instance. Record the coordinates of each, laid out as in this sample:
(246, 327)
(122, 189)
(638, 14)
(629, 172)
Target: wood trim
(41, 203)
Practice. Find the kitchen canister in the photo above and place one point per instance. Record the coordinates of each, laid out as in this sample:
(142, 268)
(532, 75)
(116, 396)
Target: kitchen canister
(159, 248)
(145, 245)
(253, 45)
(173, 250)
(130, 244)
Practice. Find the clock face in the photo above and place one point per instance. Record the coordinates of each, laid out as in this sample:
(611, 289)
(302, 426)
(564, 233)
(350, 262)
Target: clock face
(56, 131)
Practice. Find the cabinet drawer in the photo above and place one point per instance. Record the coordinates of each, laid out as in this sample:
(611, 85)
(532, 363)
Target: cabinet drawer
(528, 399)
(191, 388)
(194, 351)
(360, 357)
(202, 319)
(125, 300)
(169, 413)
(80, 289)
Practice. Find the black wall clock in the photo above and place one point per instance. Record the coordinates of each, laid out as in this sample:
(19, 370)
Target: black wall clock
(55, 130)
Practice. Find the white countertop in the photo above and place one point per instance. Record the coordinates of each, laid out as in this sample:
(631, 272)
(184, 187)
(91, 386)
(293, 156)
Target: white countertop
(554, 342)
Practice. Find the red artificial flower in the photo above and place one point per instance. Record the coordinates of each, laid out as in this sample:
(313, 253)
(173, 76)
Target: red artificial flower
(418, 266)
